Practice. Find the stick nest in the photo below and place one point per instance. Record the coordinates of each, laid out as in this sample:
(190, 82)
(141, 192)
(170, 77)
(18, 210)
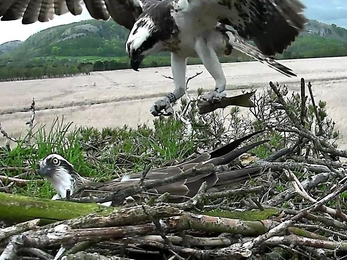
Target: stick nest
(294, 209)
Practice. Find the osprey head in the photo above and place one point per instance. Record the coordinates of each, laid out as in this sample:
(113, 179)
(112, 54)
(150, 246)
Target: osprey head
(142, 41)
(59, 172)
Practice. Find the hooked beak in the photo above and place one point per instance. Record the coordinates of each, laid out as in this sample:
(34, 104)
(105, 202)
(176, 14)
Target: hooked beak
(43, 169)
(136, 62)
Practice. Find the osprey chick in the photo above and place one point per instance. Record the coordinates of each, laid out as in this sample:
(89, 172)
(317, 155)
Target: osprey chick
(63, 176)
(187, 28)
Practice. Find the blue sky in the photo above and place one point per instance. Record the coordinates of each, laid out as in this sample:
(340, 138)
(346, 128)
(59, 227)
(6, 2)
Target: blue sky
(327, 11)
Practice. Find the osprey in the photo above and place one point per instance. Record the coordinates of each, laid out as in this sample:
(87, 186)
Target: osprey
(187, 28)
(62, 175)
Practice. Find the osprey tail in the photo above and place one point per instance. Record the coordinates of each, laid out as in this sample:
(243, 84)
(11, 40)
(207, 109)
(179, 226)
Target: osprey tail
(241, 45)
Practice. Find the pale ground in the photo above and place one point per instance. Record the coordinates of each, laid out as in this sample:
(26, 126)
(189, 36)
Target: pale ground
(115, 98)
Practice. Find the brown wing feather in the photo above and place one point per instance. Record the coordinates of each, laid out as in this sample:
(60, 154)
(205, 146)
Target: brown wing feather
(123, 12)
(215, 177)
(5, 5)
(74, 7)
(60, 7)
(31, 13)
(46, 11)
(97, 9)
(272, 24)
(15, 11)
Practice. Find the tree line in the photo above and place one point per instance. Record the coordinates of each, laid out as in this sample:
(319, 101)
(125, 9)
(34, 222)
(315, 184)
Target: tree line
(55, 66)
(49, 70)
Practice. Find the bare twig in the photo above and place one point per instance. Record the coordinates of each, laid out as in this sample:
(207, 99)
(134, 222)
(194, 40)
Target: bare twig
(19, 228)
(192, 77)
(33, 112)
(167, 77)
(144, 174)
(6, 135)
(17, 181)
(303, 103)
(162, 234)
(30, 123)
(315, 109)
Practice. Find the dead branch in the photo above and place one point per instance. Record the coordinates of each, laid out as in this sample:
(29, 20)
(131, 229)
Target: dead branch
(19, 228)
(36, 252)
(30, 123)
(193, 241)
(192, 77)
(230, 252)
(18, 182)
(304, 241)
(94, 256)
(315, 109)
(6, 135)
(162, 233)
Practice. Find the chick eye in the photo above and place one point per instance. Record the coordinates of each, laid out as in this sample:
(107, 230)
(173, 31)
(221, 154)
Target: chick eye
(55, 161)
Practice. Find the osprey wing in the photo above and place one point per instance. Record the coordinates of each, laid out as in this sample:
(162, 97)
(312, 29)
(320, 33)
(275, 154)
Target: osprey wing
(124, 12)
(271, 24)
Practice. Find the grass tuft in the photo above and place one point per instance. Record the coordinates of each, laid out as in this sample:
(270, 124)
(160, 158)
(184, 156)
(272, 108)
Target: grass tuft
(108, 153)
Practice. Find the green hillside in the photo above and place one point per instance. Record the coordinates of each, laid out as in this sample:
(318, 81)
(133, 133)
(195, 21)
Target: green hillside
(330, 31)
(312, 46)
(85, 38)
(319, 40)
(98, 45)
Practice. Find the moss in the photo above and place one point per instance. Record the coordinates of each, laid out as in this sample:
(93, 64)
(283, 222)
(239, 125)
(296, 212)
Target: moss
(245, 215)
(15, 208)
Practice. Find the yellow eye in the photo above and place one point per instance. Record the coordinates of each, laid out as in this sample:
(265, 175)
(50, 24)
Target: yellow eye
(55, 161)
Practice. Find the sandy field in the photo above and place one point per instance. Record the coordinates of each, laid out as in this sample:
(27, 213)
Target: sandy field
(115, 98)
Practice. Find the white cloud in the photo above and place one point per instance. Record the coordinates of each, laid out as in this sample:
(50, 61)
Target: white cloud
(15, 30)
(327, 11)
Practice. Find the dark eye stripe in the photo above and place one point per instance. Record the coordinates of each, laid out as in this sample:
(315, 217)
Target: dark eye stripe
(149, 42)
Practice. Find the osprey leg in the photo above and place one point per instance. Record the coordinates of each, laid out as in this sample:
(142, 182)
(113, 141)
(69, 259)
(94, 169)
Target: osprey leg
(211, 62)
(178, 67)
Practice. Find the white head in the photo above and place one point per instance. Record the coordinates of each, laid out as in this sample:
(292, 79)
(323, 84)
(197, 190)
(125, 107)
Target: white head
(58, 171)
(143, 40)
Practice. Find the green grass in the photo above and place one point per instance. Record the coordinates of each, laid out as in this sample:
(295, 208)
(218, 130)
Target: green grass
(98, 154)
(108, 153)
(60, 138)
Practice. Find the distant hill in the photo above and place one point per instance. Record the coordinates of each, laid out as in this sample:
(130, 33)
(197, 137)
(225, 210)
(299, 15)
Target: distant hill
(9, 46)
(325, 30)
(83, 38)
(107, 39)
(92, 45)
(319, 40)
